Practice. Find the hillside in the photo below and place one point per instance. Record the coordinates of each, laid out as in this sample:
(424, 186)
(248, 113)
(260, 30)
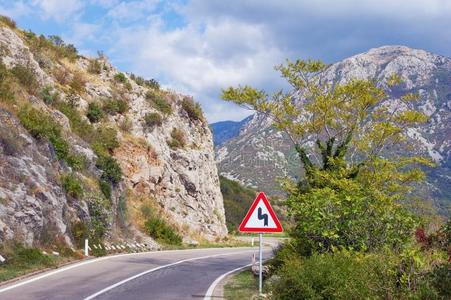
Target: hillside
(260, 154)
(86, 150)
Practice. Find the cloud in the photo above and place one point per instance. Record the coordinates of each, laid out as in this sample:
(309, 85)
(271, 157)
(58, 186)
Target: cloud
(131, 11)
(16, 10)
(57, 9)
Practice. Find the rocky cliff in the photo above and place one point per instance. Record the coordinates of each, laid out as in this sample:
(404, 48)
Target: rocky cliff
(260, 154)
(87, 150)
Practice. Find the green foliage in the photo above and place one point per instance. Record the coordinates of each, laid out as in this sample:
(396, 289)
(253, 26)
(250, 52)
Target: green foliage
(159, 102)
(95, 113)
(26, 77)
(162, 232)
(78, 82)
(177, 139)
(78, 125)
(8, 21)
(111, 170)
(106, 140)
(237, 200)
(193, 109)
(153, 119)
(152, 83)
(350, 196)
(76, 161)
(115, 106)
(99, 219)
(53, 45)
(348, 275)
(120, 77)
(105, 187)
(80, 232)
(72, 186)
(47, 96)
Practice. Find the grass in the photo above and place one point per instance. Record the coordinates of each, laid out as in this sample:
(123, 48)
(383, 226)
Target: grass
(21, 260)
(243, 285)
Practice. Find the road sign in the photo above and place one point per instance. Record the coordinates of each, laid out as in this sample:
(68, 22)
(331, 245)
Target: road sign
(260, 217)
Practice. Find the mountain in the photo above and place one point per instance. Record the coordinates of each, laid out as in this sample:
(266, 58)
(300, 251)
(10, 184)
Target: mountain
(86, 150)
(260, 154)
(226, 130)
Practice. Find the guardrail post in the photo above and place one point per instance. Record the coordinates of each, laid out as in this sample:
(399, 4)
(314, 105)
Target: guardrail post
(86, 247)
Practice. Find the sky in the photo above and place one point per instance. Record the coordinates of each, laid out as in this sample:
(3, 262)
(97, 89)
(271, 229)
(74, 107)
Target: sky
(199, 47)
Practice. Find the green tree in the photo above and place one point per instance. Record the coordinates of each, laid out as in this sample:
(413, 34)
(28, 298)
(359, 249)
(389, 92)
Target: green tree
(351, 190)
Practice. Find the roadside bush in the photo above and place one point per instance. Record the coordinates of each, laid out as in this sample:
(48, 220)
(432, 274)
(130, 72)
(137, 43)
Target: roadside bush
(26, 77)
(95, 113)
(115, 106)
(162, 232)
(177, 139)
(72, 186)
(99, 219)
(153, 119)
(158, 102)
(193, 109)
(79, 232)
(120, 77)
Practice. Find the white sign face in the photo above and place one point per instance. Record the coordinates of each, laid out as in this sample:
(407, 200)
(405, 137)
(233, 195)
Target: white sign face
(260, 217)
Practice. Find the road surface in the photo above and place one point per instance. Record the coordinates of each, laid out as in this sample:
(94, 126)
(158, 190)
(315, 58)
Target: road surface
(177, 274)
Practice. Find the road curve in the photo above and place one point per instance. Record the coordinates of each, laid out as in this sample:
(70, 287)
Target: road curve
(176, 274)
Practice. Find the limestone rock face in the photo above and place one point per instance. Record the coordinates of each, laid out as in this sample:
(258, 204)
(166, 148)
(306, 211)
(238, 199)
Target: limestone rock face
(181, 182)
(269, 154)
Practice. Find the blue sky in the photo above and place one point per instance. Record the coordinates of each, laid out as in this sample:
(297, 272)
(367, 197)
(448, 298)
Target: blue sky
(198, 47)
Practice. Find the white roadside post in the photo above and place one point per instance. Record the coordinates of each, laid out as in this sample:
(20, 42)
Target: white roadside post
(2, 259)
(86, 248)
(260, 219)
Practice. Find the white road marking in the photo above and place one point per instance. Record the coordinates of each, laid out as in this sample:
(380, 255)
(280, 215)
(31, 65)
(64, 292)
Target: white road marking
(156, 269)
(83, 263)
(212, 287)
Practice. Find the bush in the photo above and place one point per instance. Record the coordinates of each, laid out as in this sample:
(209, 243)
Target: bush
(153, 119)
(158, 229)
(111, 170)
(79, 232)
(99, 219)
(47, 96)
(72, 186)
(193, 109)
(76, 161)
(158, 102)
(177, 139)
(8, 21)
(78, 125)
(26, 77)
(78, 82)
(95, 113)
(106, 140)
(95, 67)
(120, 77)
(115, 106)
(105, 187)
(346, 275)
(6, 95)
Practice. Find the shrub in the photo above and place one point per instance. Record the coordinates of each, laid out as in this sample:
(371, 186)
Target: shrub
(120, 77)
(94, 67)
(158, 229)
(78, 82)
(78, 125)
(177, 139)
(8, 21)
(347, 275)
(111, 170)
(72, 186)
(6, 95)
(79, 232)
(105, 187)
(158, 102)
(153, 119)
(26, 77)
(106, 140)
(115, 106)
(126, 124)
(192, 108)
(47, 96)
(76, 161)
(99, 219)
(95, 113)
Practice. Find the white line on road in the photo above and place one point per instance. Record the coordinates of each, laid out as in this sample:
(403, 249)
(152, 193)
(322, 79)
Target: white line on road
(212, 287)
(76, 265)
(156, 269)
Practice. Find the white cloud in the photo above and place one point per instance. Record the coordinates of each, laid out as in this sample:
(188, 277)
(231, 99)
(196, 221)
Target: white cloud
(16, 10)
(132, 11)
(57, 9)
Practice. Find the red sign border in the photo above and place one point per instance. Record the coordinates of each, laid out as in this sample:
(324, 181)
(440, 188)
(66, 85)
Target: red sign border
(261, 196)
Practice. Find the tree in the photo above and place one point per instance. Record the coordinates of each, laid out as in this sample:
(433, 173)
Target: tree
(351, 190)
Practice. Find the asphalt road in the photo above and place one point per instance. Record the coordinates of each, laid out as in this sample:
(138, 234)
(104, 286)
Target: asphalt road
(178, 274)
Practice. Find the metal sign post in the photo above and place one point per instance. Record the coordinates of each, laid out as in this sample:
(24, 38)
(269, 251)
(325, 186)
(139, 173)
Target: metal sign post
(260, 277)
(260, 219)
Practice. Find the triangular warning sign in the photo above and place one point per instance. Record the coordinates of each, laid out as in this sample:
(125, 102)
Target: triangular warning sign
(260, 217)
